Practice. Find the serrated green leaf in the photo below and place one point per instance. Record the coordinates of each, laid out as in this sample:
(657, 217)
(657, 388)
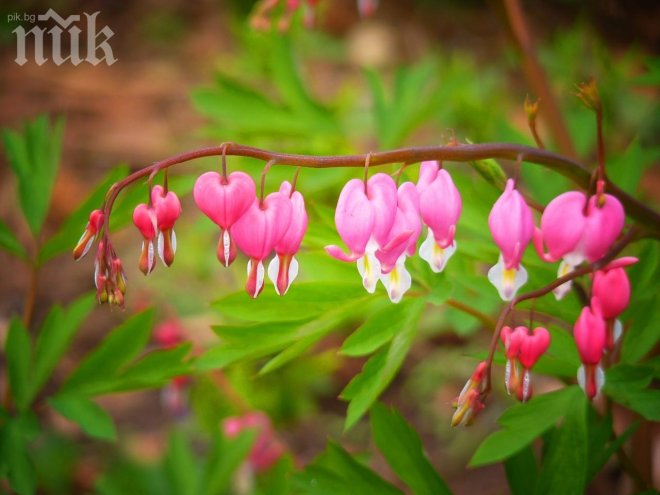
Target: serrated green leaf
(564, 467)
(34, 157)
(72, 228)
(122, 345)
(522, 423)
(381, 368)
(55, 337)
(402, 448)
(335, 471)
(92, 418)
(19, 363)
(9, 243)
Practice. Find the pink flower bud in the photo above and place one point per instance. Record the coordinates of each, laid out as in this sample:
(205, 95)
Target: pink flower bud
(168, 209)
(92, 229)
(469, 403)
(590, 337)
(440, 206)
(612, 288)
(533, 346)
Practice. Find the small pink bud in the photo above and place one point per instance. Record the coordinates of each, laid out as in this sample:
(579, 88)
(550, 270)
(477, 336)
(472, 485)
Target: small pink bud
(144, 218)
(612, 288)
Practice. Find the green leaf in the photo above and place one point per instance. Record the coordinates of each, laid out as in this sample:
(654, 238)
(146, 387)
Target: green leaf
(122, 345)
(73, 226)
(564, 467)
(55, 337)
(9, 243)
(34, 157)
(522, 423)
(600, 453)
(302, 301)
(19, 363)
(154, 369)
(441, 291)
(630, 385)
(180, 465)
(87, 414)
(521, 472)
(404, 452)
(381, 368)
(225, 458)
(335, 472)
(378, 330)
(14, 452)
(644, 333)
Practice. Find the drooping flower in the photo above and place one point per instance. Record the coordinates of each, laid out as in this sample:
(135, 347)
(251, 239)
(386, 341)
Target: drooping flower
(401, 242)
(224, 201)
(144, 218)
(364, 217)
(267, 448)
(525, 348)
(167, 207)
(109, 276)
(257, 232)
(91, 232)
(469, 402)
(440, 206)
(612, 288)
(283, 268)
(590, 338)
(576, 228)
(512, 227)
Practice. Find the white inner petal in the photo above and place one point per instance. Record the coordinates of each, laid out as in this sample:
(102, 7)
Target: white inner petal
(507, 281)
(434, 255)
(161, 246)
(369, 268)
(564, 269)
(151, 258)
(226, 243)
(398, 281)
(273, 271)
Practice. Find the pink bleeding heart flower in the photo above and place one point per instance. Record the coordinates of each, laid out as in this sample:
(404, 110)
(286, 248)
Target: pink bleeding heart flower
(92, 229)
(257, 232)
(612, 289)
(532, 347)
(512, 340)
(590, 338)
(469, 402)
(367, 8)
(144, 218)
(283, 268)
(512, 227)
(440, 206)
(401, 242)
(267, 448)
(167, 207)
(364, 217)
(575, 228)
(224, 201)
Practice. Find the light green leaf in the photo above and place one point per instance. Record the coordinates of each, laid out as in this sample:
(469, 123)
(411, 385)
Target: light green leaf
(122, 345)
(34, 157)
(225, 458)
(19, 363)
(72, 228)
(491, 172)
(381, 368)
(522, 423)
(55, 337)
(564, 467)
(92, 418)
(9, 243)
(181, 466)
(335, 472)
(404, 452)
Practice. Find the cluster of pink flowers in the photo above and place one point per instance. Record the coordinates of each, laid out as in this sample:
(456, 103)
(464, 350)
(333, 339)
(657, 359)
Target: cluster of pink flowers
(257, 228)
(381, 224)
(525, 348)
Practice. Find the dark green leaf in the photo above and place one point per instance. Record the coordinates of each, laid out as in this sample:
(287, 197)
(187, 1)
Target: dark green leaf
(9, 243)
(15, 453)
(19, 363)
(599, 455)
(564, 467)
(644, 333)
(335, 472)
(522, 423)
(629, 385)
(34, 157)
(73, 226)
(381, 368)
(122, 345)
(404, 452)
(87, 414)
(55, 336)
(521, 472)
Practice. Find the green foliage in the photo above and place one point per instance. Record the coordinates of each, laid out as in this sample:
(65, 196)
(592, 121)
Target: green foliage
(631, 386)
(9, 243)
(402, 447)
(34, 157)
(91, 417)
(19, 363)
